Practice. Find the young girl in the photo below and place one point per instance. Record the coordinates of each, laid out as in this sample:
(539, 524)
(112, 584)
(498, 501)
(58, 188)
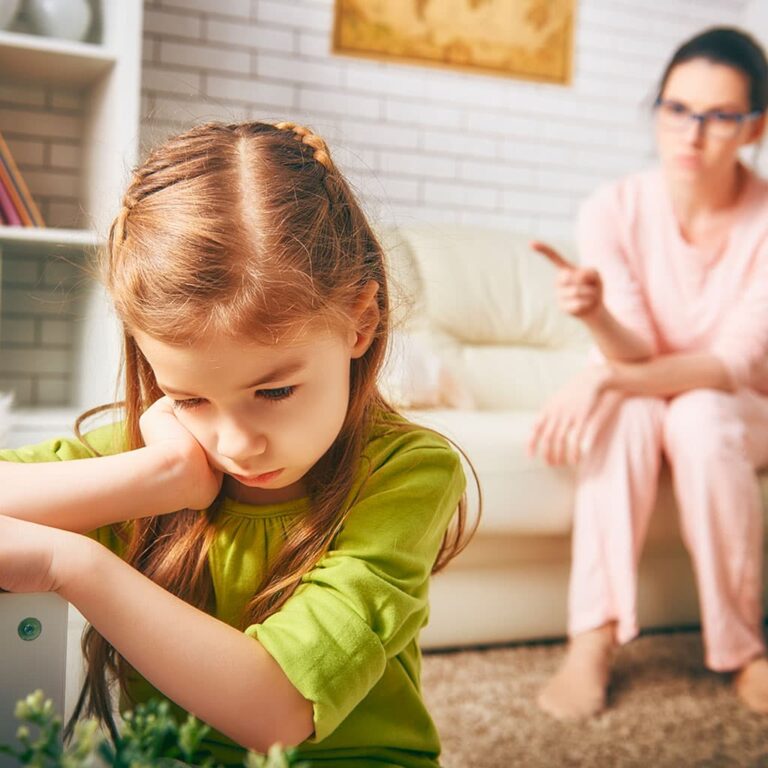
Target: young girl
(680, 253)
(262, 525)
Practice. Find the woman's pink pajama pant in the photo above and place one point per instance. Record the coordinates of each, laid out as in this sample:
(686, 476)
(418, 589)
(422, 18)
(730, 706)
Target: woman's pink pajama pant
(713, 441)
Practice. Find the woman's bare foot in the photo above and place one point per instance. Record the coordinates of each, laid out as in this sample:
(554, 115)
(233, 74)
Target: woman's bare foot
(751, 684)
(578, 688)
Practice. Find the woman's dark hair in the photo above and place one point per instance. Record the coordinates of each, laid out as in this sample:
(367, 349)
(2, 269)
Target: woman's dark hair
(732, 47)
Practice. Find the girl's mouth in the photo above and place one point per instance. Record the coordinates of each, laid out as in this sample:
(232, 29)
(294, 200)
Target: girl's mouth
(255, 480)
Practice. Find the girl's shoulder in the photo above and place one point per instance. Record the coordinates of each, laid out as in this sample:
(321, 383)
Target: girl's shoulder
(407, 466)
(394, 437)
(101, 441)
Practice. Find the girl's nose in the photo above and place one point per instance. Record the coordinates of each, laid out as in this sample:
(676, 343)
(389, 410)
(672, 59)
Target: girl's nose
(240, 442)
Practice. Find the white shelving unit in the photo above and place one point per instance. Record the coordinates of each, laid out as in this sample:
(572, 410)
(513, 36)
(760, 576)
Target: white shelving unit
(22, 240)
(109, 73)
(46, 59)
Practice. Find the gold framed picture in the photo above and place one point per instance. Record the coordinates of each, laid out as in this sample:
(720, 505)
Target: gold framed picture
(531, 39)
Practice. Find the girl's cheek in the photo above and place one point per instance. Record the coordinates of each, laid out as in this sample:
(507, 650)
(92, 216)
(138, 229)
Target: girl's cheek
(199, 429)
(209, 446)
(207, 439)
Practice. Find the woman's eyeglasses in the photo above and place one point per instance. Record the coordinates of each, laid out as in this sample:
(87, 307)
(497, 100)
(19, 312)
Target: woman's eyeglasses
(718, 124)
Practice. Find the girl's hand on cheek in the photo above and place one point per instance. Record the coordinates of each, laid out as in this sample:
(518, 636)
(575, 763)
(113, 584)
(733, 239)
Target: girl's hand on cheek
(198, 480)
(37, 558)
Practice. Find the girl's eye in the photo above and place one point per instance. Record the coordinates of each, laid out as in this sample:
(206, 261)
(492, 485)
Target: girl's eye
(192, 402)
(281, 393)
(274, 395)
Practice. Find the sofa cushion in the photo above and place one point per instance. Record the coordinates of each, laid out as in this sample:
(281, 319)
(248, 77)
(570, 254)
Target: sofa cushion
(488, 287)
(524, 495)
(485, 304)
(516, 377)
(415, 375)
(520, 494)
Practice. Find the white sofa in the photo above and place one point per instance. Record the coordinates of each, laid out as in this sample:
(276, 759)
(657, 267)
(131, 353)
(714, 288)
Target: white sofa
(484, 303)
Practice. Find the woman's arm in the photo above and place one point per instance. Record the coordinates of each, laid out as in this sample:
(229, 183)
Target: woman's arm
(580, 294)
(562, 425)
(669, 375)
(222, 676)
(616, 341)
(606, 290)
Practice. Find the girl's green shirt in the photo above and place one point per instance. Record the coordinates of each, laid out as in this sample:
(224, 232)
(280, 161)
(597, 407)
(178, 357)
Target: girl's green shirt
(348, 636)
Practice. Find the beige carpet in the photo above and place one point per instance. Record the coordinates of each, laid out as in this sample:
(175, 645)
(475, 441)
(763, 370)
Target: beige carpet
(665, 711)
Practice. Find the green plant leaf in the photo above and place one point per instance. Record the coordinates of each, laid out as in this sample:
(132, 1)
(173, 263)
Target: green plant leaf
(150, 738)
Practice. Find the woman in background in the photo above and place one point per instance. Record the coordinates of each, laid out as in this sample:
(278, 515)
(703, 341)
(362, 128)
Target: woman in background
(673, 289)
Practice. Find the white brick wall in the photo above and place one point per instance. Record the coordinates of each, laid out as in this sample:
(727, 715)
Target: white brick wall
(419, 143)
(39, 302)
(425, 144)
(42, 127)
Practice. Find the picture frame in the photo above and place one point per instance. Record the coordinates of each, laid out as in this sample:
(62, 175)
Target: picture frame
(529, 39)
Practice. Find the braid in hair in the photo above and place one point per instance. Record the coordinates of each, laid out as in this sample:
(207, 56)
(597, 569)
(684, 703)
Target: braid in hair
(163, 168)
(337, 191)
(118, 232)
(322, 155)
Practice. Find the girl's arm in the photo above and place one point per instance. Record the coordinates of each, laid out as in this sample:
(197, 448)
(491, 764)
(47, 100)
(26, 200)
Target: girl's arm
(669, 375)
(85, 494)
(81, 495)
(209, 668)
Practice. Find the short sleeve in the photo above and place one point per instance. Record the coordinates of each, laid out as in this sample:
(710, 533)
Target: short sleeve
(366, 599)
(603, 244)
(102, 441)
(741, 343)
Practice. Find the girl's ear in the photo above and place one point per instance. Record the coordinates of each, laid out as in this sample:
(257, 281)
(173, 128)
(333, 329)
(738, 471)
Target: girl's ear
(366, 319)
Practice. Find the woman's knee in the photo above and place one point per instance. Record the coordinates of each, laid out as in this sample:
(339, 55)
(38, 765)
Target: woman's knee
(634, 422)
(639, 416)
(703, 423)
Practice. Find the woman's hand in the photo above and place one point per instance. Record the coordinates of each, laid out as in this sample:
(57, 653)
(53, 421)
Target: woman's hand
(579, 291)
(37, 558)
(161, 429)
(559, 430)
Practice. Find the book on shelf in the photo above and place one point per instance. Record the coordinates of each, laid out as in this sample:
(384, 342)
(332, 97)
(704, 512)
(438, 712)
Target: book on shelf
(7, 208)
(16, 203)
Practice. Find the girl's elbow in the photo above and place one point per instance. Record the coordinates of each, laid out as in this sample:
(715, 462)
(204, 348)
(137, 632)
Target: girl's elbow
(299, 726)
(293, 728)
